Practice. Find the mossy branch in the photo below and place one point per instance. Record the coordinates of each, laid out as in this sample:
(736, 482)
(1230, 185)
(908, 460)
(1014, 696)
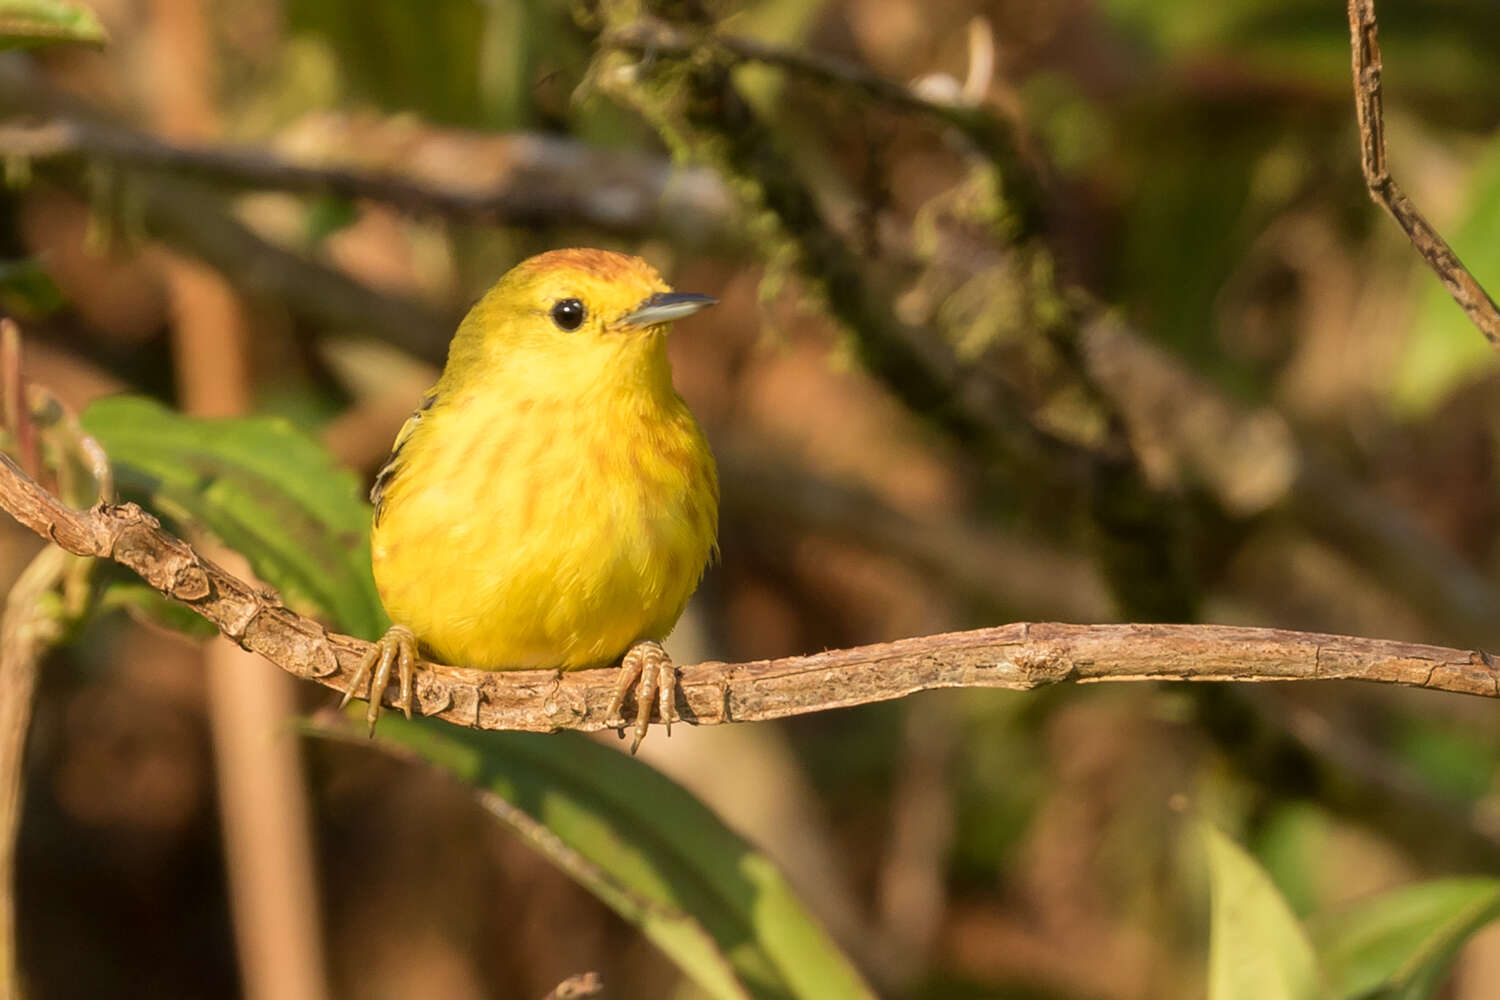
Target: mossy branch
(684, 87)
(1019, 656)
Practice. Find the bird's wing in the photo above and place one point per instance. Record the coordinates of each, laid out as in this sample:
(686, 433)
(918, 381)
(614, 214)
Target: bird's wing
(392, 463)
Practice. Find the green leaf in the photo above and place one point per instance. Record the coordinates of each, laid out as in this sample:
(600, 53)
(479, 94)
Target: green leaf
(1443, 350)
(652, 852)
(325, 216)
(1257, 949)
(1400, 944)
(27, 291)
(263, 488)
(25, 23)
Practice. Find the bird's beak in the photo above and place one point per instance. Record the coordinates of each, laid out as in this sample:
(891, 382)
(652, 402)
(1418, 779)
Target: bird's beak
(663, 307)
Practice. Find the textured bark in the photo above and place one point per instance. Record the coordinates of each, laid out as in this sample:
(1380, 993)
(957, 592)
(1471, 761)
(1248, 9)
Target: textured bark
(1019, 656)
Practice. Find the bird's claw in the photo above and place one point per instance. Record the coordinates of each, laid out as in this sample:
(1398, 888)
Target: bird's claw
(398, 649)
(648, 669)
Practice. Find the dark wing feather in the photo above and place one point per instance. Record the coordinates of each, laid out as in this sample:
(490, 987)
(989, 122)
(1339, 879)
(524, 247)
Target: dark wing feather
(392, 463)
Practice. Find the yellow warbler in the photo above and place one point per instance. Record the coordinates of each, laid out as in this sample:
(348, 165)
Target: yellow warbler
(552, 503)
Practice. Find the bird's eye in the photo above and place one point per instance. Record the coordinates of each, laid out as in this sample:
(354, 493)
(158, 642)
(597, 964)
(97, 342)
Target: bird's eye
(568, 314)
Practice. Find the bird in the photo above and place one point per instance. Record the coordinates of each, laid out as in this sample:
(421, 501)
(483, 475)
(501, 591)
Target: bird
(552, 503)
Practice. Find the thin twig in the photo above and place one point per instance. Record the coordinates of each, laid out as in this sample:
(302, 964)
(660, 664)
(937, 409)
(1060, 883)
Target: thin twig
(1019, 657)
(13, 386)
(654, 37)
(540, 180)
(1466, 291)
(28, 628)
(518, 179)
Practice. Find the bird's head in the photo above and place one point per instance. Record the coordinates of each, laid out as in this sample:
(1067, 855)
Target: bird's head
(573, 315)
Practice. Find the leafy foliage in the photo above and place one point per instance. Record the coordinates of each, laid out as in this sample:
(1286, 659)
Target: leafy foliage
(1398, 945)
(652, 852)
(27, 23)
(26, 290)
(642, 844)
(262, 487)
(1257, 950)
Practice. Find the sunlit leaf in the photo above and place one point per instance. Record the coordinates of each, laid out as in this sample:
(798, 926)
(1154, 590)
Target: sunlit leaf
(262, 487)
(1257, 949)
(26, 23)
(651, 851)
(1400, 944)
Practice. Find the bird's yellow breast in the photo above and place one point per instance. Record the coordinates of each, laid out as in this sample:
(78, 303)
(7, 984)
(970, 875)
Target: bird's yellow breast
(528, 523)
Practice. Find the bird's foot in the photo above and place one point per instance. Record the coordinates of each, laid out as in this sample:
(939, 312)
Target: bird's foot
(648, 669)
(398, 649)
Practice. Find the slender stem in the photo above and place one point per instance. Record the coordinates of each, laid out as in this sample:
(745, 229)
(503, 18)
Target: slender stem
(1369, 107)
(27, 630)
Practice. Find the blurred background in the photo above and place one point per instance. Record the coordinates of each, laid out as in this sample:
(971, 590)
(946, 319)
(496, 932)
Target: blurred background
(1187, 371)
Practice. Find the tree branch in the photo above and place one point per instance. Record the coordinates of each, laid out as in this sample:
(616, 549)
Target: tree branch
(28, 630)
(1019, 657)
(523, 179)
(1271, 471)
(920, 368)
(538, 180)
(1368, 103)
(990, 136)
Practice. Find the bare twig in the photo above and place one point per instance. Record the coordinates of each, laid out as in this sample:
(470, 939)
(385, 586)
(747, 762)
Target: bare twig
(13, 386)
(1466, 291)
(515, 179)
(28, 629)
(537, 180)
(1020, 656)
